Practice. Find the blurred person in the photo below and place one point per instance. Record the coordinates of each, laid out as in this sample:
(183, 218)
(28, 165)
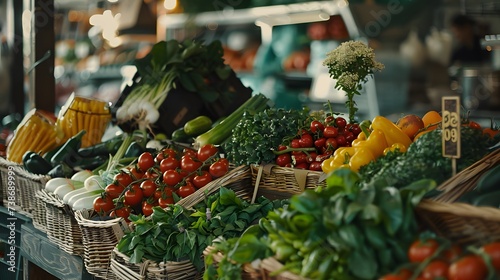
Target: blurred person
(468, 48)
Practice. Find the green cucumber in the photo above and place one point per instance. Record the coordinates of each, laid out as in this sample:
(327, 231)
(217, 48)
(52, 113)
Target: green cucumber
(179, 135)
(489, 181)
(197, 126)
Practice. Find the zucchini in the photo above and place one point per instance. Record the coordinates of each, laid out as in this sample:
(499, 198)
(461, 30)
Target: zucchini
(197, 126)
(179, 135)
(489, 181)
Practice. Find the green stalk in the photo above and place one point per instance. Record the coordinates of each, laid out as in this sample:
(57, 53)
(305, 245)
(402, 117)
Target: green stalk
(223, 130)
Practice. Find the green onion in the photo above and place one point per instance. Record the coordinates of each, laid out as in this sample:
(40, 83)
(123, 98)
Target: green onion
(223, 130)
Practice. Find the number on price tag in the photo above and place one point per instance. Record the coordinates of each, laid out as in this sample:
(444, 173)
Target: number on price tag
(451, 126)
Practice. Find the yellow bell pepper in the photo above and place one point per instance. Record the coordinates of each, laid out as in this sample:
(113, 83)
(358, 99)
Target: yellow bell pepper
(339, 159)
(376, 143)
(395, 146)
(393, 134)
(362, 156)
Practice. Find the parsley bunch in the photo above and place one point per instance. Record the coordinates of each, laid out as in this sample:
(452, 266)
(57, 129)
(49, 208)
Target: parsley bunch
(256, 135)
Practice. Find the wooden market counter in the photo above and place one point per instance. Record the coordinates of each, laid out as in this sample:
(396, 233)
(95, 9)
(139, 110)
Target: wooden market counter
(35, 256)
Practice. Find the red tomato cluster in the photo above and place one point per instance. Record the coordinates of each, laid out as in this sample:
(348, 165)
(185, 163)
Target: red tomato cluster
(154, 179)
(433, 259)
(316, 143)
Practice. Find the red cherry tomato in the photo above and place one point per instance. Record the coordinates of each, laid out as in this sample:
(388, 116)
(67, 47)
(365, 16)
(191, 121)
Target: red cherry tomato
(331, 143)
(306, 140)
(123, 212)
(186, 190)
(145, 161)
(218, 169)
(152, 173)
(315, 166)
(169, 163)
(330, 132)
(295, 143)
(190, 164)
(172, 177)
(299, 158)
(437, 269)
(114, 190)
(147, 208)
(320, 143)
(316, 126)
(206, 151)
(341, 141)
(189, 152)
(355, 129)
(103, 204)
(470, 267)
(134, 195)
(136, 173)
(123, 178)
(283, 159)
(200, 180)
(422, 249)
(340, 122)
(148, 188)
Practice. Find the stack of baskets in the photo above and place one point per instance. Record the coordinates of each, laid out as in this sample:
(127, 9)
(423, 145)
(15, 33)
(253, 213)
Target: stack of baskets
(19, 188)
(62, 227)
(461, 222)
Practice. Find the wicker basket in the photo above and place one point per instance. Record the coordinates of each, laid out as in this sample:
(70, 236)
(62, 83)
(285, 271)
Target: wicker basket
(277, 182)
(461, 222)
(62, 227)
(25, 184)
(99, 239)
(40, 214)
(123, 269)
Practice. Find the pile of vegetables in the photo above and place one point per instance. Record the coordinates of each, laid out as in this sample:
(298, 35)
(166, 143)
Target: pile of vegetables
(424, 159)
(348, 230)
(177, 234)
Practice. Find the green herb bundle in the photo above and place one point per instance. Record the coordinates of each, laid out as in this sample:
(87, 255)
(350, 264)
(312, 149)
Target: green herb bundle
(256, 135)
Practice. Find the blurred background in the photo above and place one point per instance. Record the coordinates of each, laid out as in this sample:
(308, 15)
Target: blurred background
(276, 47)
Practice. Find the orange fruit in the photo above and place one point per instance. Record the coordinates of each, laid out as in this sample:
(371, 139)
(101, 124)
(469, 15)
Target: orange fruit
(410, 124)
(431, 119)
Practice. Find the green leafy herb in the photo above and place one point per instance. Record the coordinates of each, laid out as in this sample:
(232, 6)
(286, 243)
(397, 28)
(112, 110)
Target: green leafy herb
(256, 135)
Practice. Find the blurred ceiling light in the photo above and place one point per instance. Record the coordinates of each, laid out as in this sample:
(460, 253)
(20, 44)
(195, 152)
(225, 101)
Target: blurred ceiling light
(109, 25)
(170, 4)
(112, 1)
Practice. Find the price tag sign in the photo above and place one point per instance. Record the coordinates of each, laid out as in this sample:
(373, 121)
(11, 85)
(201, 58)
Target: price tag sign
(451, 126)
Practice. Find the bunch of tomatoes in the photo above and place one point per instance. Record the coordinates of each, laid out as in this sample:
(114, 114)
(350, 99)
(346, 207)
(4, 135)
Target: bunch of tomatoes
(313, 144)
(160, 179)
(438, 259)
